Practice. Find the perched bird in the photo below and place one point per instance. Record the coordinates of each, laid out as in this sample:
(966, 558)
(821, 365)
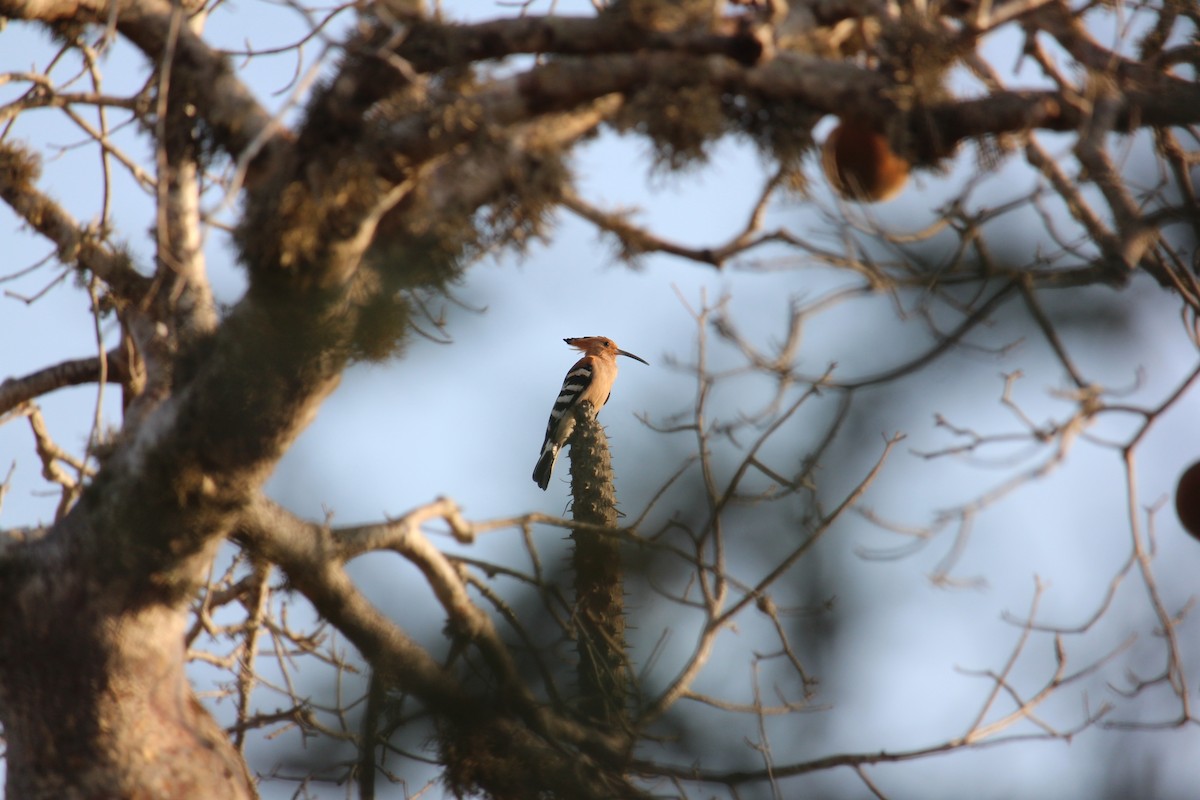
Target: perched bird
(590, 379)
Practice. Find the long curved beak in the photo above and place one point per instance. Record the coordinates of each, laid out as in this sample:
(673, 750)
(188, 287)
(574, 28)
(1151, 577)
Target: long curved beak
(635, 358)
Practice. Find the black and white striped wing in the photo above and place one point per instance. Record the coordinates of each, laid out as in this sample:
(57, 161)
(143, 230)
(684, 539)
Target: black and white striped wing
(560, 425)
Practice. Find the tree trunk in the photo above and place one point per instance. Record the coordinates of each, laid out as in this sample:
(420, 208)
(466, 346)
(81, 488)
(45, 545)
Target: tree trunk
(93, 695)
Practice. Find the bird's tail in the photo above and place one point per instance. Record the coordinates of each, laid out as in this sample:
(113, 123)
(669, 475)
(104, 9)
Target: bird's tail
(545, 465)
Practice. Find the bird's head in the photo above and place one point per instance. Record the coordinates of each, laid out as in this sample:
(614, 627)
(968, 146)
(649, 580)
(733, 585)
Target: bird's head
(600, 345)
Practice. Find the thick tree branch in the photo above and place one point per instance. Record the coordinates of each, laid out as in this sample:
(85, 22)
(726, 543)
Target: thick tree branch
(77, 245)
(477, 177)
(313, 558)
(14, 391)
(822, 85)
(430, 46)
(181, 273)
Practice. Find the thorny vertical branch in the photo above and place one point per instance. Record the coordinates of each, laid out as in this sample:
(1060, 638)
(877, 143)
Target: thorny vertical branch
(596, 563)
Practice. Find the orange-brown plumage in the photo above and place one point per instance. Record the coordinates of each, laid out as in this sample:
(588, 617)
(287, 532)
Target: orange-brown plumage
(591, 380)
(861, 165)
